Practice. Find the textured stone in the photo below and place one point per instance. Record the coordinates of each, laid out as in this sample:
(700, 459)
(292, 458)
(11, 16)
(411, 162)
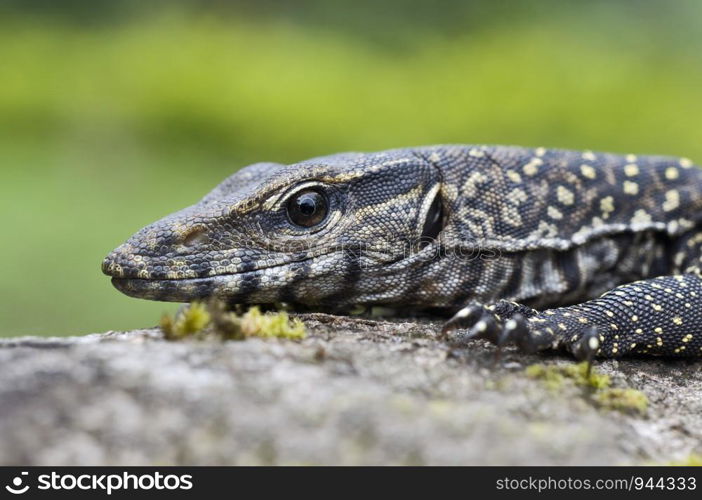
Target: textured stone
(355, 391)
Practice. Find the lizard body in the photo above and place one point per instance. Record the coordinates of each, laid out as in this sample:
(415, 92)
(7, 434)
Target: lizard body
(506, 230)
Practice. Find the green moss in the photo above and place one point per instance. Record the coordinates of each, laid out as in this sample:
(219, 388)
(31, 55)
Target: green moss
(189, 321)
(622, 399)
(692, 460)
(212, 319)
(256, 324)
(600, 392)
(555, 376)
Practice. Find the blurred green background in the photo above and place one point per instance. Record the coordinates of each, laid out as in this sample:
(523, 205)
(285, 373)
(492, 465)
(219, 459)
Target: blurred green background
(113, 114)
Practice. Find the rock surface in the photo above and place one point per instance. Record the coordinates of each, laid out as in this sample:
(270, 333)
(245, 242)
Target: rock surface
(355, 391)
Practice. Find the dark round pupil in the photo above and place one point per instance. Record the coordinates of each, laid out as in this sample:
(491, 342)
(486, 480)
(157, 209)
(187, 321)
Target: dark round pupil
(307, 208)
(307, 204)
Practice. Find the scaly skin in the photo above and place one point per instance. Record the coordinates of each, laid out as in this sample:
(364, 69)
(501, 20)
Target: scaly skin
(505, 230)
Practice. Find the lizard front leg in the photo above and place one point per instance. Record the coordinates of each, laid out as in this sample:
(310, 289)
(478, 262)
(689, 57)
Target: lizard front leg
(659, 316)
(530, 330)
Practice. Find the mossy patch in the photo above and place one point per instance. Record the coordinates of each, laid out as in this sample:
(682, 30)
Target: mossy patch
(555, 376)
(598, 386)
(190, 321)
(622, 399)
(692, 460)
(213, 320)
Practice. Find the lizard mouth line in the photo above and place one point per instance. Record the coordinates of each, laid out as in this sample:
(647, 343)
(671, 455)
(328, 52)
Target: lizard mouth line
(127, 280)
(182, 289)
(307, 258)
(204, 278)
(214, 276)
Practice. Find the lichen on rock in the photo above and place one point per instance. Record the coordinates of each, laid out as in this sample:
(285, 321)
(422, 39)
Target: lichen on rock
(212, 319)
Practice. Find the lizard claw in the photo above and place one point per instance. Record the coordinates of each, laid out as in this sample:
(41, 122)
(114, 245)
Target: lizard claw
(585, 348)
(530, 334)
(513, 330)
(485, 328)
(482, 323)
(465, 318)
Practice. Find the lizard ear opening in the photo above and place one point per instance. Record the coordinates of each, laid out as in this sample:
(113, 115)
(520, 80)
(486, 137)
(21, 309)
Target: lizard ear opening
(434, 221)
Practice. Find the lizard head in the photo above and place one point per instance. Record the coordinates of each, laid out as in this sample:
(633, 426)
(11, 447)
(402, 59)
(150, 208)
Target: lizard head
(337, 230)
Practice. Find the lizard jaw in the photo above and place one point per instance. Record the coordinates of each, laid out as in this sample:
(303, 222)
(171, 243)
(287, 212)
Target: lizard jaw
(186, 290)
(235, 288)
(265, 285)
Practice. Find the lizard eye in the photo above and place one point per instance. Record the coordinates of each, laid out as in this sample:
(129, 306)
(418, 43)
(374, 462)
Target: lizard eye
(433, 224)
(308, 208)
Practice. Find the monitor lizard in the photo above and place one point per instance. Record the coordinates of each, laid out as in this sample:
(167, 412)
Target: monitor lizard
(594, 253)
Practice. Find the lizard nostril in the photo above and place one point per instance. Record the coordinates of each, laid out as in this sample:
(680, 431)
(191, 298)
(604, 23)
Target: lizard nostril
(195, 237)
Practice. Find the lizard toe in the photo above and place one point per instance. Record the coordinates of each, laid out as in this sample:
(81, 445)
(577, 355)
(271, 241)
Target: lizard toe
(474, 321)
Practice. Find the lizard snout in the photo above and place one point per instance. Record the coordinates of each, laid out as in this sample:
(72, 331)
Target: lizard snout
(121, 262)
